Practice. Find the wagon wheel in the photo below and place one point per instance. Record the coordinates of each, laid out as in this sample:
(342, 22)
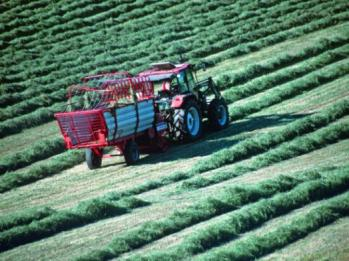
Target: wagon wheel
(93, 160)
(131, 152)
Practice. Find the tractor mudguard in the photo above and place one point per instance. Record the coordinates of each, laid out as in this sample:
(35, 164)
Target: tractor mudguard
(179, 100)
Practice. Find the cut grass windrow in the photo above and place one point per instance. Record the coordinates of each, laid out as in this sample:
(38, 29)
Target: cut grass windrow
(284, 75)
(42, 115)
(34, 101)
(250, 147)
(287, 150)
(27, 157)
(280, 36)
(41, 170)
(51, 83)
(291, 89)
(190, 18)
(40, 150)
(85, 212)
(227, 80)
(228, 200)
(280, 93)
(283, 60)
(253, 215)
(264, 142)
(257, 246)
(329, 136)
(24, 217)
(137, 63)
(243, 150)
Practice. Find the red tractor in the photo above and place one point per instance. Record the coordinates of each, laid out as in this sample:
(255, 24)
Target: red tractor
(184, 102)
(119, 110)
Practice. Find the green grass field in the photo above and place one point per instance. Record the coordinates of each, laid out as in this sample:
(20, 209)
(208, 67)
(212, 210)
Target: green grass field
(274, 185)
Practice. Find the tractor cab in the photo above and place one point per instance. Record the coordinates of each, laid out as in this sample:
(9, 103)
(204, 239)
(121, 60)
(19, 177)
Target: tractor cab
(185, 101)
(176, 79)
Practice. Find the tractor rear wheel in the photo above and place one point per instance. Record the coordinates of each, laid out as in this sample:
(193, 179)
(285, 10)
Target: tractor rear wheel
(131, 152)
(218, 114)
(93, 160)
(188, 122)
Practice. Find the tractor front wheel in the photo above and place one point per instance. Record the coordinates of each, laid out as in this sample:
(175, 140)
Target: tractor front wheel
(188, 122)
(93, 160)
(131, 152)
(218, 114)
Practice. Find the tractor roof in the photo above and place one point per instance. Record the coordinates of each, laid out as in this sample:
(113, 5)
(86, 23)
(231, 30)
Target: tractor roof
(163, 70)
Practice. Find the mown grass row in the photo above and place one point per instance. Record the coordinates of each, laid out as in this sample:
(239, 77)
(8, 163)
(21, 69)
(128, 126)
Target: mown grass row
(9, 98)
(330, 136)
(103, 207)
(24, 35)
(256, 214)
(311, 81)
(244, 149)
(189, 18)
(287, 150)
(85, 212)
(187, 21)
(254, 146)
(110, 59)
(281, 36)
(55, 16)
(145, 21)
(239, 221)
(262, 29)
(40, 150)
(157, 36)
(234, 93)
(28, 105)
(19, 10)
(276, 95)
(24, 217)
(286, 75)
(279, 62)
(61, 95)
(266, 141)
(41, 170)
(197, 43)
(13, 11)
(35, 118)
(257, 246)
(126, 53)
(99, 25)
(142, 64)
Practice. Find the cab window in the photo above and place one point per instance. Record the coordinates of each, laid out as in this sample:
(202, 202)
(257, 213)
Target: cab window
(190, 79)
(182, 82)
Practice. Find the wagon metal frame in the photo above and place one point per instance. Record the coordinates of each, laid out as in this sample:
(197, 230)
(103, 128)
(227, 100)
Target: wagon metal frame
(87, 128)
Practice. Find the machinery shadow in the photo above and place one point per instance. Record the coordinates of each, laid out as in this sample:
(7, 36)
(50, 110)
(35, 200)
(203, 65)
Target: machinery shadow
(213, 141)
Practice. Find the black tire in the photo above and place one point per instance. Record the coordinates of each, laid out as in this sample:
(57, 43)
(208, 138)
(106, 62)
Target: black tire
(92, 159)
(131, 152)
(218, 114)
(188, 122)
